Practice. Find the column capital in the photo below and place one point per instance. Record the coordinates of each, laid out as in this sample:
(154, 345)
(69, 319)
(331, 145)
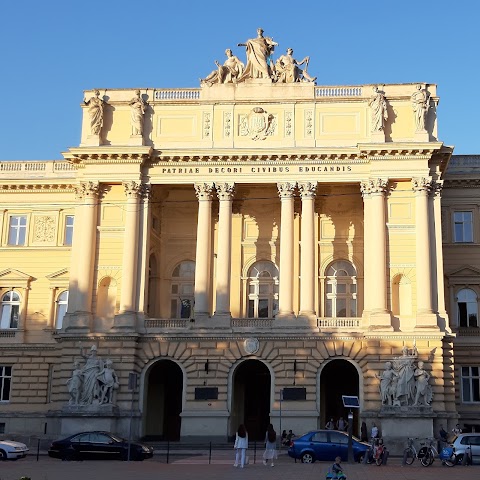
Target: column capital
(132, 189)
(436, 189)
(87, 189)
(286, 189)
(307, 189)
(204, 191)
(422, 184)
(373, 186)
(225, 191)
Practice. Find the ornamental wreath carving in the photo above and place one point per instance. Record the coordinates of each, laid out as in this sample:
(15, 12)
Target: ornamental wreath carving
(258, 124)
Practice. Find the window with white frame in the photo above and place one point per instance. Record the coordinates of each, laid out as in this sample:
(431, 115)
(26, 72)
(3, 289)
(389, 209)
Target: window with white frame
(341, 290)
(10, 310)
(5, 383)
(17, 230)
(182, 290)
(68, 234)
(62, 304)
(467, 308)
(463, 227)
(262, 288)
(471, 384)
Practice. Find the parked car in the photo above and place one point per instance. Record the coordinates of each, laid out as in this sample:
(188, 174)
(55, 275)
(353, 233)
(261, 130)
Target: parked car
(465, 441)
(98, 445)
(12, 450)
(326, 445)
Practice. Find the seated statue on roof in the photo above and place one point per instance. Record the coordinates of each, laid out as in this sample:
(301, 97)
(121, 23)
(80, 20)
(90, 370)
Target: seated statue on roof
(229, 72)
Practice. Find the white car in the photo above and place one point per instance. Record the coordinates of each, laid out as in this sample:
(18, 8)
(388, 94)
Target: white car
(13, 450)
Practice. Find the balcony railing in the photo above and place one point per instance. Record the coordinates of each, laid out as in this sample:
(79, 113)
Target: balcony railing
(37, 169)
(340, 322)
(168, 323)
(252, 322)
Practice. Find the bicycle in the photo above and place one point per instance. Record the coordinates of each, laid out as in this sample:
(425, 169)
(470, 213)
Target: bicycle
(430, 453)
(410, 454)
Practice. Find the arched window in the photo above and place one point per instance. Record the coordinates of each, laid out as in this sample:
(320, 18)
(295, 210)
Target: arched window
(262, 290)
(182, 290)
(10, 310)
(467, 308)
(106, 298)
(341, 290)
(62, 303)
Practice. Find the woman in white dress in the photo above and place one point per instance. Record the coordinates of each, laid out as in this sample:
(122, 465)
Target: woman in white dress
(270, 446)
(241, 445)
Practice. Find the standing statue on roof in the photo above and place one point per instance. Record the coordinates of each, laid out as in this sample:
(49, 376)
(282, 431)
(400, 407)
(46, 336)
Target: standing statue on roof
(259, 57)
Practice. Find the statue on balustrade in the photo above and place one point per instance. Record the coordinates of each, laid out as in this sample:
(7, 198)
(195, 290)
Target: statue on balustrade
(420, 104)
(95, 111)
(259, 57)
(137, 113)
(287, 69)
(378, 104)
(229, 72)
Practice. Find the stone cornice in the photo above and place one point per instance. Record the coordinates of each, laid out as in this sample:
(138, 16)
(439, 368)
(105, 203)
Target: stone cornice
(83, 156)
(462, 183)
(37, 187)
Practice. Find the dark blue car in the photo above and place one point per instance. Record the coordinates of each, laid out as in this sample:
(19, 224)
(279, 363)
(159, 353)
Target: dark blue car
(325, 445)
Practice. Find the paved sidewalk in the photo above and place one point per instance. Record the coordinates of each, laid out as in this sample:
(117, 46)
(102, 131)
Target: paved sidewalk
(196, 467)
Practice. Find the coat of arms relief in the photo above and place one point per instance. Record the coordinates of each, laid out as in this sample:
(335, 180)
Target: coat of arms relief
(258, 124)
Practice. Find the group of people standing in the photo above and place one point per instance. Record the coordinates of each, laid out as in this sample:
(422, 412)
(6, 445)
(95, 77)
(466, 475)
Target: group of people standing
(341, 424)
(241, 446)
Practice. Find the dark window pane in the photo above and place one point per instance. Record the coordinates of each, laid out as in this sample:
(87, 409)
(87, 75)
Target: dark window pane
(263, 308)
(466, 390)
(475, 390)
(251, 307)
(462, 314)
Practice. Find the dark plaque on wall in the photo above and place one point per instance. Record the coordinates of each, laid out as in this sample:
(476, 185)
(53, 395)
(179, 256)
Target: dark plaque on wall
(294, 393)
(206, 393)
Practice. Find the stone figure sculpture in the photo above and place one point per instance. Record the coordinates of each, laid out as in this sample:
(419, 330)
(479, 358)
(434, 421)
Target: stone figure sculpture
(423, 391)
(108, 382)
(420, 104)
(388, 384)
(137, 113)
(95, 111)
(75, 384)
(94, 383)
(287, 69)
(229, 72)
(259, 51)
(378, 104)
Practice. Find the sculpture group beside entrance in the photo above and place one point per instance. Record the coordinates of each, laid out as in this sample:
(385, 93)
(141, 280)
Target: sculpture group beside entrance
(260, 65)
(404, 384)
(94, 382)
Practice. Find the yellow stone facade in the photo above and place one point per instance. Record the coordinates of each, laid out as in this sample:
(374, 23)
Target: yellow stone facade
(207, 250)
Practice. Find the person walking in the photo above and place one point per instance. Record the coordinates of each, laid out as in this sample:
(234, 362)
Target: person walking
(270, 446)
(241, 445)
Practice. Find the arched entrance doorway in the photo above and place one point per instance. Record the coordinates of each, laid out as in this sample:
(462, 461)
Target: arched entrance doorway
(251, 399)
(337, 378)
(164, 387)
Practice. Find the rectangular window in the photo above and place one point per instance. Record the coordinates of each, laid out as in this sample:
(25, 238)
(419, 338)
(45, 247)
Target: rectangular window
(17, 230)
(2, 428)
(9, 317)
(68, 238)
(463, 227)
(5, 383)
(470, 385)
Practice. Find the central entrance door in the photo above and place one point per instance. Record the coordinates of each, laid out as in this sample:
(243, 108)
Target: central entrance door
(251, 399)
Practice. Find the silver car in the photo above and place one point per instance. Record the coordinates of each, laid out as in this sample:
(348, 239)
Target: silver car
(12, 450)
(466, 441)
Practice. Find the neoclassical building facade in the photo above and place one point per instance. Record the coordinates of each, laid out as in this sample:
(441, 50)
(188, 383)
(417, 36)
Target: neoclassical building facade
(242, 252)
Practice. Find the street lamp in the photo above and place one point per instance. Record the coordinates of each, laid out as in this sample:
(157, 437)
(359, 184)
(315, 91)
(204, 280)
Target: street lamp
(350, 445)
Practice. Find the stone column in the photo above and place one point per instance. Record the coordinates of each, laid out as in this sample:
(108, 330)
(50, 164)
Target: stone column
(307, 254)
(204, 249)
(286, 192)
(225, 192)
(375, 254)
(127, 315)
(425, 316)
(438, 264)
(85, 240)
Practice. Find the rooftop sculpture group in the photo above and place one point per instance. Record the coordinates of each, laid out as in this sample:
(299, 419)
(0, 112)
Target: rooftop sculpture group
(260, 65)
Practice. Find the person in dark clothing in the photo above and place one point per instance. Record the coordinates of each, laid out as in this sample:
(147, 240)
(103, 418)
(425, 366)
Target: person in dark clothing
(363, 432)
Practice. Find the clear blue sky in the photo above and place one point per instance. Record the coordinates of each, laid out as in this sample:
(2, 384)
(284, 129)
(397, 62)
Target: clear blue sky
(52, 50)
